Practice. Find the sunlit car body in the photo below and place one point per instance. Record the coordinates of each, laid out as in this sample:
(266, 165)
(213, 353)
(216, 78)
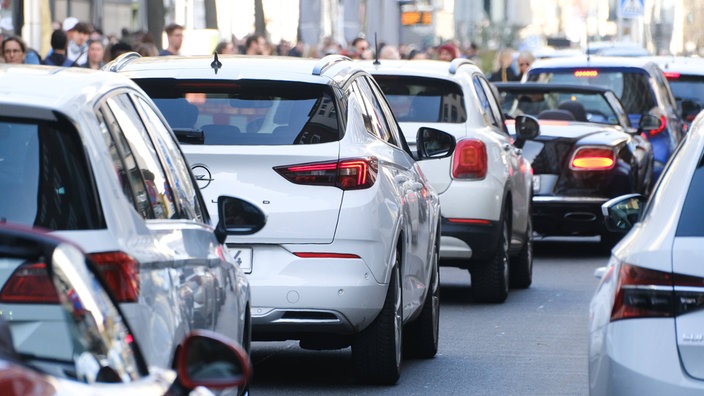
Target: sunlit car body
(349, 252)
(686, 77)
(639, 84)
(646, 317)
(586, 154)
(87, 155)
(104, 358)
(486, 202)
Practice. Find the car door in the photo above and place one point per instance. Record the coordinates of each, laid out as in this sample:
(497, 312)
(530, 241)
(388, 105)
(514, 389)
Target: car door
(519, 181)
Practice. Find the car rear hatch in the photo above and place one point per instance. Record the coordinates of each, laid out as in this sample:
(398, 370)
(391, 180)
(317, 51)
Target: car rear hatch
(271, 143)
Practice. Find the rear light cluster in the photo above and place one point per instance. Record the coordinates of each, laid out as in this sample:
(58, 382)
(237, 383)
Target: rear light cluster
(663, 125)
(30, 283)
(647, 293)
(593, 159)
(348, 174)
(469, 160)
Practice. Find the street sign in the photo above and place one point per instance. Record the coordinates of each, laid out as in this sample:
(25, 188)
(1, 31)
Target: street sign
(631, 8)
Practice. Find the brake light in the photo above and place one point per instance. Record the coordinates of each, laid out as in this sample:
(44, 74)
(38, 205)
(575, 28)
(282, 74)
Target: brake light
(469, 160)
(348, 174)
(672, 75)
(592, 159)
(647, 293)
(29, 284)
(121, 274)
(469, 221)
(663, 125)
(586, 73)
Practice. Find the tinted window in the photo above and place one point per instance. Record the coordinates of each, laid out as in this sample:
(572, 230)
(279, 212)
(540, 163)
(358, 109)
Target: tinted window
(691, 222)
(248, 112)
(417, 99)
(45, 178)
(632, 87)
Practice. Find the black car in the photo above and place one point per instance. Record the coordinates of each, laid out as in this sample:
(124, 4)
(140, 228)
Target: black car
(587, 153)
(638, 82)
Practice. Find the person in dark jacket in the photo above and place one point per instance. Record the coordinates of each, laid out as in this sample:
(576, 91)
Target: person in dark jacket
(57, 57)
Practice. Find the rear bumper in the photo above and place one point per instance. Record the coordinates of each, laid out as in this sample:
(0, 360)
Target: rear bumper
(568, 216)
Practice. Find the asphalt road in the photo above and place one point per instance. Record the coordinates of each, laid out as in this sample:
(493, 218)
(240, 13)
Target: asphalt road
(533, 344)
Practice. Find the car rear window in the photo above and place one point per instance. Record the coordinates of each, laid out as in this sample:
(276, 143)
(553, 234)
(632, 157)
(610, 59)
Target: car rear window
(45, 179)
(689, 92)
(246, 112)
(414, 99)
(631, 85)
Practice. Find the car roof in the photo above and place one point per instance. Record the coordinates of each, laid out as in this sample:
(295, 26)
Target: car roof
(680, 64)
(235, 67)
(66, 89)
(420, 67)
(593, 61)
(551, 87)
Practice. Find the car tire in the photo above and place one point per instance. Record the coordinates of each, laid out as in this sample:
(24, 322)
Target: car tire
(376, 351)
(420, 337)
(521, 275)
(490, 279)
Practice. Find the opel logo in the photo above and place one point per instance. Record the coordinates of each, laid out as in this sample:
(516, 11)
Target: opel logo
(202, 175)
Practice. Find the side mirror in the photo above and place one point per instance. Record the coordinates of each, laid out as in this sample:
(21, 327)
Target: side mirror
(527, 128)
(621, 213)
(649, 122)
(237, 217)
(211, 360)
(434, 143)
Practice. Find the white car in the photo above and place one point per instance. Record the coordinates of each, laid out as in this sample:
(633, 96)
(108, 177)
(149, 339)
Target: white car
(87, 155)
(485, 187)
(348, 255)
(646, 320)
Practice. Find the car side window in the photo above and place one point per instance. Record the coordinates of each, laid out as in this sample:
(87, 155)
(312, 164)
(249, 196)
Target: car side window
(388, 114)
(496, 112)
(484, 103)
(377, 121)
(135, 159)
(174, 162)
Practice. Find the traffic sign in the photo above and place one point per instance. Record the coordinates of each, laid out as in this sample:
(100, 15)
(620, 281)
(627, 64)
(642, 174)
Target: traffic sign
(631, 8)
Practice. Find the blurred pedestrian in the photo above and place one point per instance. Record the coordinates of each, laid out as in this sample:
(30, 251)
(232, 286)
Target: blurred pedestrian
(225, 47)
(77, 34)
(525, 60)
(96, 55)
(14, 50)
(503, 69)
(57, 56)
(389, 52)
(174, 37)
(119, 48)
(447, 52)
(255, 44)
(146, 48)
(360, 49)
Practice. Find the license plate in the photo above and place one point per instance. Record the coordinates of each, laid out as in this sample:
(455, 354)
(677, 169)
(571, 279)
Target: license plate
(243, 257)
(536, 183)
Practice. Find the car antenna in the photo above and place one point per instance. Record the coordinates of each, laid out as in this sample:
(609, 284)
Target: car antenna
(376, 51)
(588, 55)
(216, 64)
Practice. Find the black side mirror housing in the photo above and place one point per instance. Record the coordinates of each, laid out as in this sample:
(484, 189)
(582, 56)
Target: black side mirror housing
(237, 217)
(649, 122)
(433, 143)
(527, 128)
(621, 213)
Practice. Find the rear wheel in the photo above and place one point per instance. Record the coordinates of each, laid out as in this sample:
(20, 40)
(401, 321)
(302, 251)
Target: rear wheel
(490, 279)
(420, 337)
(522, 265)
(376, 351)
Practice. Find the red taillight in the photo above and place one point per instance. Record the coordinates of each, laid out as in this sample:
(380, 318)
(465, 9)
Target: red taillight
(29, 284)
(647, 293)
(469, 221)
(469, 160)
(121, 274)
(348, 174)
(586, 73)
(663, 125)
(593, 159)
(672, 75)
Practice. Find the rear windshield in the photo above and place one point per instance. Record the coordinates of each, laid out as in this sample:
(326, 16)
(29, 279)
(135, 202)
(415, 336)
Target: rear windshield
(689, 92)
(414, 99)
(44, 177)
(631, 87)
(246, 112)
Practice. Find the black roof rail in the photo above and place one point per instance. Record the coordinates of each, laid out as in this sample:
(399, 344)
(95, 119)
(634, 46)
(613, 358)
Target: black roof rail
(118, 63)
(457, 62)
(327, 61)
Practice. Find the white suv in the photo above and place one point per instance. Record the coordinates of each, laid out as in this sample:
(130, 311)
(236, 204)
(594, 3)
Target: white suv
(485, 187)
(349, 252)
(87, 155)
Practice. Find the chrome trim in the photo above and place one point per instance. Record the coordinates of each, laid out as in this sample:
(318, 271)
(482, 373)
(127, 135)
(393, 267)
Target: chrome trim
(689, 289)
(457, 62)
(649, 288)
(328, 61)
(540, 198)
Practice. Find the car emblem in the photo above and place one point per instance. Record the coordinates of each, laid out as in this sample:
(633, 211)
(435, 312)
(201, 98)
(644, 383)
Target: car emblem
(202, 175)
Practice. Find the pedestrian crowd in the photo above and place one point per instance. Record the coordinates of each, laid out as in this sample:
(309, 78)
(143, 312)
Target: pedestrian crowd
(80, 44)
